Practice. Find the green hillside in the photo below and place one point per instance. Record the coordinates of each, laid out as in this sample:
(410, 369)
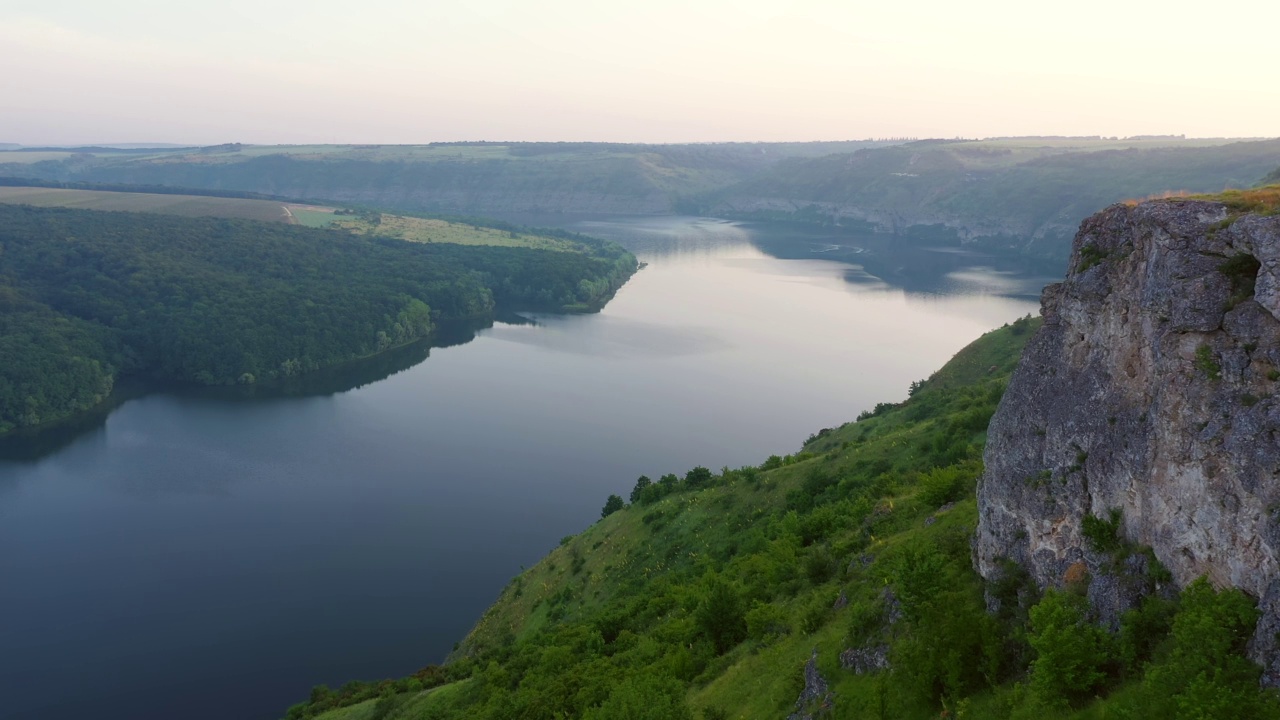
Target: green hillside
(707, 595)
(88, 296)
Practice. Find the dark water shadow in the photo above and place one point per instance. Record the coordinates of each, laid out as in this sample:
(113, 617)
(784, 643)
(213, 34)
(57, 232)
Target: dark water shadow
(29, 445)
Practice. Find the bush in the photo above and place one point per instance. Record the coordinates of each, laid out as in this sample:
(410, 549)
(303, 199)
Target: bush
(942, 485)
(1206, 674)
(1103, 536)
(1071, 652)
(646, 697)
(766, 621)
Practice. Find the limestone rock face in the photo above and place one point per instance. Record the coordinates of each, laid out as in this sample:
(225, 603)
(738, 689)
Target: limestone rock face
(1151, 389)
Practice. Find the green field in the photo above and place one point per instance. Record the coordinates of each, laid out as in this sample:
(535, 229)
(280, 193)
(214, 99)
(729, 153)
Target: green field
(426, 230)
(184, 205)
(411, 229)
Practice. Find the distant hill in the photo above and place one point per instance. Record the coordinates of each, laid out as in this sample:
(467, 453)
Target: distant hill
(1024, 196)
(1014, 195)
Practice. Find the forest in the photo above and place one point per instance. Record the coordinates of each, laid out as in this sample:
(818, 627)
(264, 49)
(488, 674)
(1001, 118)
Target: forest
(86, 297)
(835, 582)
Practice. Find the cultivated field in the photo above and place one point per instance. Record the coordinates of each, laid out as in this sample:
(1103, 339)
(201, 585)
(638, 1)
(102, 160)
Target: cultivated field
(426, 230)
(411, 229)
(186, 205)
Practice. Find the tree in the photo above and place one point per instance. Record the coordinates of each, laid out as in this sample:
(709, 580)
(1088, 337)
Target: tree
(611, 506)
(1071, 652)
(721, 616)
(637, 492)
(697, 477)
(1207, 674)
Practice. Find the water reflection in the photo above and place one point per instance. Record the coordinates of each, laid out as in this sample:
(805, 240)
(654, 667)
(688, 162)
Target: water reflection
(31, 444)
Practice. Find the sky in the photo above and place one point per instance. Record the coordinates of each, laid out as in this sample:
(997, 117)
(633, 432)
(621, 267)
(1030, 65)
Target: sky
(399, 71)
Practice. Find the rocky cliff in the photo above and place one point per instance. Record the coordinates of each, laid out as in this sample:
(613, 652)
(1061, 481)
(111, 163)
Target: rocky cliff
(1148, 399)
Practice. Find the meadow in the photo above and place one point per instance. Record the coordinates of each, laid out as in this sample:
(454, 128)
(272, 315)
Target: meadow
(183, 205)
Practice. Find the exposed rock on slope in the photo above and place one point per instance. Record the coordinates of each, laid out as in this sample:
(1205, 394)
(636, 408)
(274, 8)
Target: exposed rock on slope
(1151, 389)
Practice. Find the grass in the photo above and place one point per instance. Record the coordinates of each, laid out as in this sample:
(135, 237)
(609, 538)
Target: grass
(1261, 201)
(427, 230)
(411, 229)
(184, 205)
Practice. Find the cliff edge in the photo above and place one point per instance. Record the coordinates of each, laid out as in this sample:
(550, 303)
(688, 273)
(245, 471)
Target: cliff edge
(1148, 400)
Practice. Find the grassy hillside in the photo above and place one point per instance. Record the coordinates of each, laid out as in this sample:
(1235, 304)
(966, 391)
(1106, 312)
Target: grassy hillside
(835, 581)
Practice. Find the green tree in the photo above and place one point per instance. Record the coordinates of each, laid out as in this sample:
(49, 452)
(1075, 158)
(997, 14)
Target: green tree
(1071, 652)
(697, 477)
(721, 615)
(611, 506)
(1207, 674)
(642, 483)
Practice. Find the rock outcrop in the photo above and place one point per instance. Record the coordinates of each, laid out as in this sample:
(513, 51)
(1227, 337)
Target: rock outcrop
(1148, 396)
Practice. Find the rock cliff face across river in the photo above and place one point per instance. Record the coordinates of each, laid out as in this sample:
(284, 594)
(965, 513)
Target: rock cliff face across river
(1148, 398)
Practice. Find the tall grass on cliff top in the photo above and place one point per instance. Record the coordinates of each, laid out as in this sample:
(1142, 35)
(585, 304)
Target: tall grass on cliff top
(1263, 200)
(706, 596)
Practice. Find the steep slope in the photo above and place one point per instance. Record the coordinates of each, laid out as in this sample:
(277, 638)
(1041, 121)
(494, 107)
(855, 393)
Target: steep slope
(833, 583)
(1147, 404)
(1024, 195)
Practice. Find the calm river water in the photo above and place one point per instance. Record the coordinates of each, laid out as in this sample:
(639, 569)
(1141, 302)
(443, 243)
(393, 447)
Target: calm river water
(195, 555)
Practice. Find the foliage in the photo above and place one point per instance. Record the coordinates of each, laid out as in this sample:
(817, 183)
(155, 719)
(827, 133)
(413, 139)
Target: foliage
(721, 617)
(611, 506)
(1206, 363)
(1103, 535)
(1242, 270)
(1206, 674)
(1071, 652)
(88, 296)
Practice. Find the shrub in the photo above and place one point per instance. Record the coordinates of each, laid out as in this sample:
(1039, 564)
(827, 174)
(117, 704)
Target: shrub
(1071, 652)
(1207, 364)
(766, 621)
(1103, 536)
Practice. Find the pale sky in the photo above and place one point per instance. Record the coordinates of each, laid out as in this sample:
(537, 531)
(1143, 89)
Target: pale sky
(392, 71)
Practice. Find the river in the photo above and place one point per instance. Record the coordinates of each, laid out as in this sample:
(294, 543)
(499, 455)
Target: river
(213, 555)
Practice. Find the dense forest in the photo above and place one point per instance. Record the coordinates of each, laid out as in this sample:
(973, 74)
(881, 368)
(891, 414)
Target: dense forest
(86, 296)
(835, 582)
